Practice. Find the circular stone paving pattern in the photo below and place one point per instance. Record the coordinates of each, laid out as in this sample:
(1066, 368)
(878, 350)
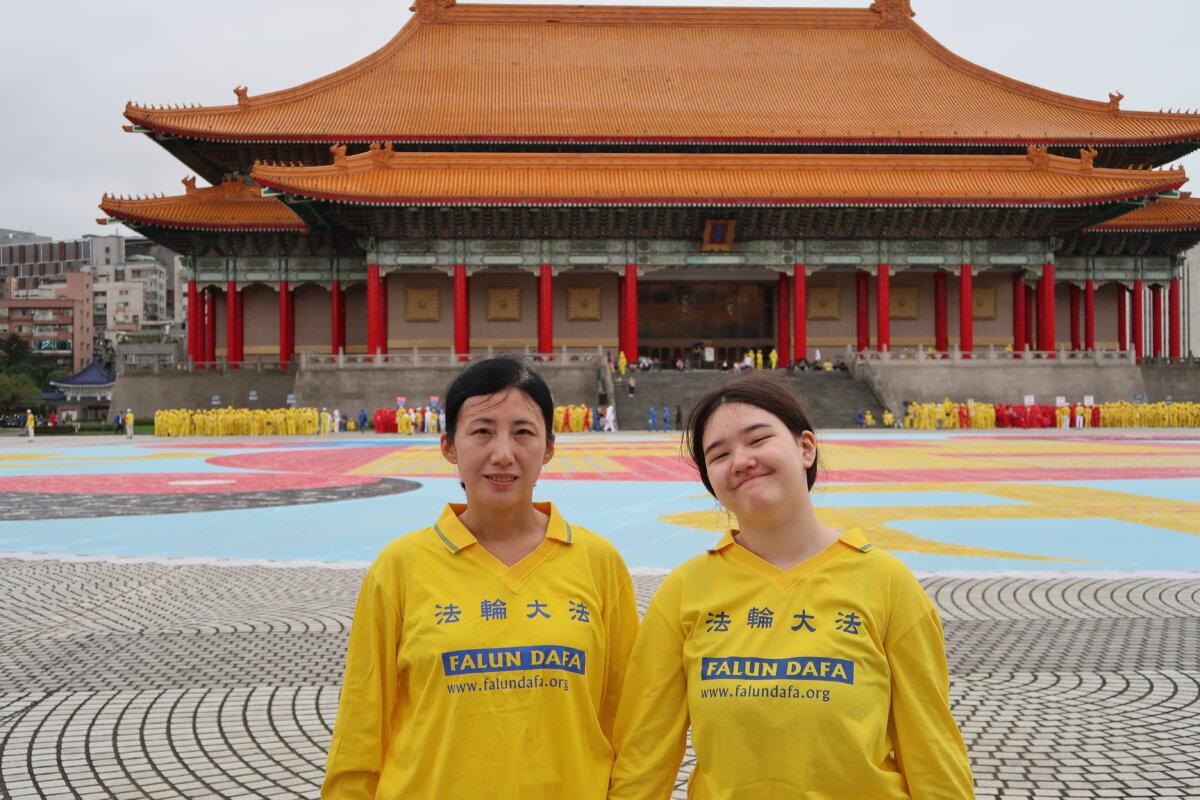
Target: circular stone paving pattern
(92, 496)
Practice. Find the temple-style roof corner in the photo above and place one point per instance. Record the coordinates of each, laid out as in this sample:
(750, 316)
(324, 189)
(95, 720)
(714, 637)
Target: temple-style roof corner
(234, 205)
(1166, 215)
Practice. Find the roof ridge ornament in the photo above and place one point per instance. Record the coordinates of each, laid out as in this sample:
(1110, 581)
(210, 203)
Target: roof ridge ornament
(189, 184)
(1087, 157)
(1039, 156)
(381, 152)
(893, 12)
(1114, 101)
(431, 10)
(339, 155)
(243, 95)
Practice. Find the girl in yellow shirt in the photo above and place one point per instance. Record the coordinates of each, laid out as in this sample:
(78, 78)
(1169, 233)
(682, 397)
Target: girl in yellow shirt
(808, 663)
(488, 650)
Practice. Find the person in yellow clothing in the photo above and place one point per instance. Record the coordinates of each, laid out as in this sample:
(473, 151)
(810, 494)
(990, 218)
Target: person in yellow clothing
(807, 662)
(128, 420)
(488, 650)
(30, 423)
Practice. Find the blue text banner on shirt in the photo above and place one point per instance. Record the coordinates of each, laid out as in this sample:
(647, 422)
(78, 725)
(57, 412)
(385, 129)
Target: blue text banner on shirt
(510, 659)
(800, 668)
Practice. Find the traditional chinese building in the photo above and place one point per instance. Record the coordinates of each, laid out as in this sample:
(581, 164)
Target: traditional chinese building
(646, 178)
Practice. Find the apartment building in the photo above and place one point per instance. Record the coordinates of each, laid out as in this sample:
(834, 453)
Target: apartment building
(55, 318)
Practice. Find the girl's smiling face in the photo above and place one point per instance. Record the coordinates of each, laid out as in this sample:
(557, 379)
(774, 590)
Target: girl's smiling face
(754, 463)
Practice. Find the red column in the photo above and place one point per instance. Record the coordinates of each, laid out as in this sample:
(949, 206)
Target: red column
(1137, 305)
(462, 310)
(1075, 309)
(621, 344)
(210, 325)
(546, 309)
(1018, 303)
(337, 321)
(966, 308)
(863, 303)
(631, 312)
(1031, 317)
(800, 312)
(1122, 318)
(783, 345)
(195, 322)
(1089, 315)
(941, 316)
(1046, 309)
(374, 311)
(384, 326)
(883, 308)
(291, 323)
(1175, 319)
(285, 312)
(231, 322)
(241, 325)
(1156, 319)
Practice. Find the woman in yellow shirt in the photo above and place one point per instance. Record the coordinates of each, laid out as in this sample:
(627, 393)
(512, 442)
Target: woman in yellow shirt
(808, 663)
(488, 650)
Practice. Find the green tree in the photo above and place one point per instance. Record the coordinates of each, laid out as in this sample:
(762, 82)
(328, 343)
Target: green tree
(15, 350)
(18, 392)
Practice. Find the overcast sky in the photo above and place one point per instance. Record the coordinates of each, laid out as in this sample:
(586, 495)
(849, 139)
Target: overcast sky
(68, 66)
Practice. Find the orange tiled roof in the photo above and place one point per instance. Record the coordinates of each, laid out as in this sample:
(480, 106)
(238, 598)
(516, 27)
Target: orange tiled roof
(232, 206)
(381, 176)
(659, 74)
(1182, 214)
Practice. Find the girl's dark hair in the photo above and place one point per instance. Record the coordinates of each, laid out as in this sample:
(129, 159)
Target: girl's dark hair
(754, 389)
(491, 375)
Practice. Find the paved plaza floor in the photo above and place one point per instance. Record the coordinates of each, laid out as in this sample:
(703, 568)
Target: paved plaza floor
(173, 614)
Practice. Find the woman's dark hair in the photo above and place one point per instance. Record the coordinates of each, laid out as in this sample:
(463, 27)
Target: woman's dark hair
(491, 375)
(754, 389)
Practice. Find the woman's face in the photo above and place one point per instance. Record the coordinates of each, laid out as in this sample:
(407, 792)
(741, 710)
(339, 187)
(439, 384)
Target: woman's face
(499, 447)
(755, 464)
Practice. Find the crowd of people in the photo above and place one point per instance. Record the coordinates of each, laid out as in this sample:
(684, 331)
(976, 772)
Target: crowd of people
(236, 422)
(580, 418)
(408, 421)
(949, 415)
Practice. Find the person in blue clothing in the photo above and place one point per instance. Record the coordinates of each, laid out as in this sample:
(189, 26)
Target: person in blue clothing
(666, 418)
(362, 420)
(652, 423)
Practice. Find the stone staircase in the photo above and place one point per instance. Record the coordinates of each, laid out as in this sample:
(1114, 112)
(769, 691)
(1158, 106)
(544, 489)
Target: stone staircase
(833, 399)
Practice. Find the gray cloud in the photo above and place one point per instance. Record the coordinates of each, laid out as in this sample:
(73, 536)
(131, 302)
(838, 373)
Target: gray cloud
(68, 66)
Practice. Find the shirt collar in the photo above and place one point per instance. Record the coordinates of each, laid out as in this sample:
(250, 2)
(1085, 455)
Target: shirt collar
(452, 533)
(853, 538)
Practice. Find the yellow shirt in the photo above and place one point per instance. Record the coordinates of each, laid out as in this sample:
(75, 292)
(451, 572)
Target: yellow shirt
(822, 682)
(467, 679)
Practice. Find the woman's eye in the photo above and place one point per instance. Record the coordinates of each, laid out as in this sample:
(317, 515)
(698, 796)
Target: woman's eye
(717, 458)
(760, 440)
(484, 431)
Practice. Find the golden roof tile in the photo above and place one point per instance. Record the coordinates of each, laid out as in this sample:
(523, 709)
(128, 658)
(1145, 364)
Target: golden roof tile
(386, 177)
(1166, 214)
(231, 206)
(626, 74)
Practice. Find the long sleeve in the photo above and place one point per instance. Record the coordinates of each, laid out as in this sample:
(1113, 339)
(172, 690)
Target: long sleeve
(621, 627)
(652, 721)
(929, 746)
(362, 731)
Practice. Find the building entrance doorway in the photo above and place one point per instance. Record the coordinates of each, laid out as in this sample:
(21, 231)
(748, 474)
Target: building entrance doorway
(680, 319)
